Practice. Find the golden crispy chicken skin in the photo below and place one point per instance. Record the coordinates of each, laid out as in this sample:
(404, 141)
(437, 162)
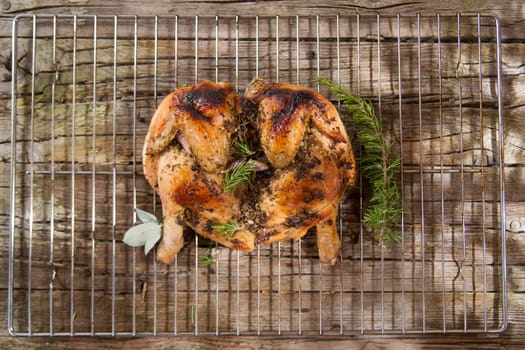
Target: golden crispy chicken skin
(204, 114)
(194, 197)
(302, 136)
(186, 174)
(286, 112)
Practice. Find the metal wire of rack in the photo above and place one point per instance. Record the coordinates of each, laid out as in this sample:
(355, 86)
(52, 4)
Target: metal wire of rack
(83, 90)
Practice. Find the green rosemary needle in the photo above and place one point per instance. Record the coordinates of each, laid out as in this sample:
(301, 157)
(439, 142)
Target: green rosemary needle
(238, 175)
(243, 149)
(378, 164)
(226, 230)
(206, 260)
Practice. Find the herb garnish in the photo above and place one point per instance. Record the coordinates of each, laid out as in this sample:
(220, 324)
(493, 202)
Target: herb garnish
(241, 173)
(378, 163)
(227, 230)
(208, 259)
(146, 234)
(243, 149)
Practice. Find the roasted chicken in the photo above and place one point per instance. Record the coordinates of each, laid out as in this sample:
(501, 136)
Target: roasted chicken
(186, 149)
(304, 139)
(297, 138)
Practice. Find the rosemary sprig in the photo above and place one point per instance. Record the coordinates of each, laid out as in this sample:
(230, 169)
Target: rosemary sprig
(227, 230)
(239, 174)
(208, 259)
(242, 148)
(378, 163)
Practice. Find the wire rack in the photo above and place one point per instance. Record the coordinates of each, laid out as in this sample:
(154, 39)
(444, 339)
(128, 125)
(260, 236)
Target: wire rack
(83, 91)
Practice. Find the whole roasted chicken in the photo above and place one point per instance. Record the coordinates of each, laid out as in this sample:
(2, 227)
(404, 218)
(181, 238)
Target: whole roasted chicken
(293, 131)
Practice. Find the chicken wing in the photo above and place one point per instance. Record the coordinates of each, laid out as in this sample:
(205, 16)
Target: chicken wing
(204, 114)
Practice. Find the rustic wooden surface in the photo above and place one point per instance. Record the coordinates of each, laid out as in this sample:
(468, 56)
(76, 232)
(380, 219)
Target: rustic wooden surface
(511, 13)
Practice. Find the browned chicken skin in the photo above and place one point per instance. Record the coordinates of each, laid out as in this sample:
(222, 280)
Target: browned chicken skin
(204, 114)
(302, 136)
(298, 132)
(187, 177)
(195, 197)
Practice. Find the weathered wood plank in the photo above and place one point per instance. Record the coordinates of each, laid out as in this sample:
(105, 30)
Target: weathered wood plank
(396, 274)
(513, 83)
(358, 63)
(230, 316)
(510, 10)
(281, 342)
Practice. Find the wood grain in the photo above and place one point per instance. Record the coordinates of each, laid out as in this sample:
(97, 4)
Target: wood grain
(363, 77)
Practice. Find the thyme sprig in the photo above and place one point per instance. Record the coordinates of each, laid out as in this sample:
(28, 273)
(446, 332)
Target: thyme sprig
(241, 173)
(227, 230)
(379, 165)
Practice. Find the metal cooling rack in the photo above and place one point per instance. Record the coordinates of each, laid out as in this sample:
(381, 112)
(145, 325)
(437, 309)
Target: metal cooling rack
(84, 89)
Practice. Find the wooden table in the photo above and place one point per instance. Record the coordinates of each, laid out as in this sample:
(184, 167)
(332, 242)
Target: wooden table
(512, 16)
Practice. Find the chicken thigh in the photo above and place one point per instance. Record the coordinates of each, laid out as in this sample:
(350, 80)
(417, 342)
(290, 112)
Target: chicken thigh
(192, 196)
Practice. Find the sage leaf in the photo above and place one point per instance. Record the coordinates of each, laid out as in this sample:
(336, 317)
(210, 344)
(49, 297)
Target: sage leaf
(151, 241)
(138, 235)
(145, 217)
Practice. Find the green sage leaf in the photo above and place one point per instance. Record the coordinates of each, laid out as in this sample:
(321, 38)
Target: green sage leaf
(151, 241)
(138, 235)
(145, 217)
